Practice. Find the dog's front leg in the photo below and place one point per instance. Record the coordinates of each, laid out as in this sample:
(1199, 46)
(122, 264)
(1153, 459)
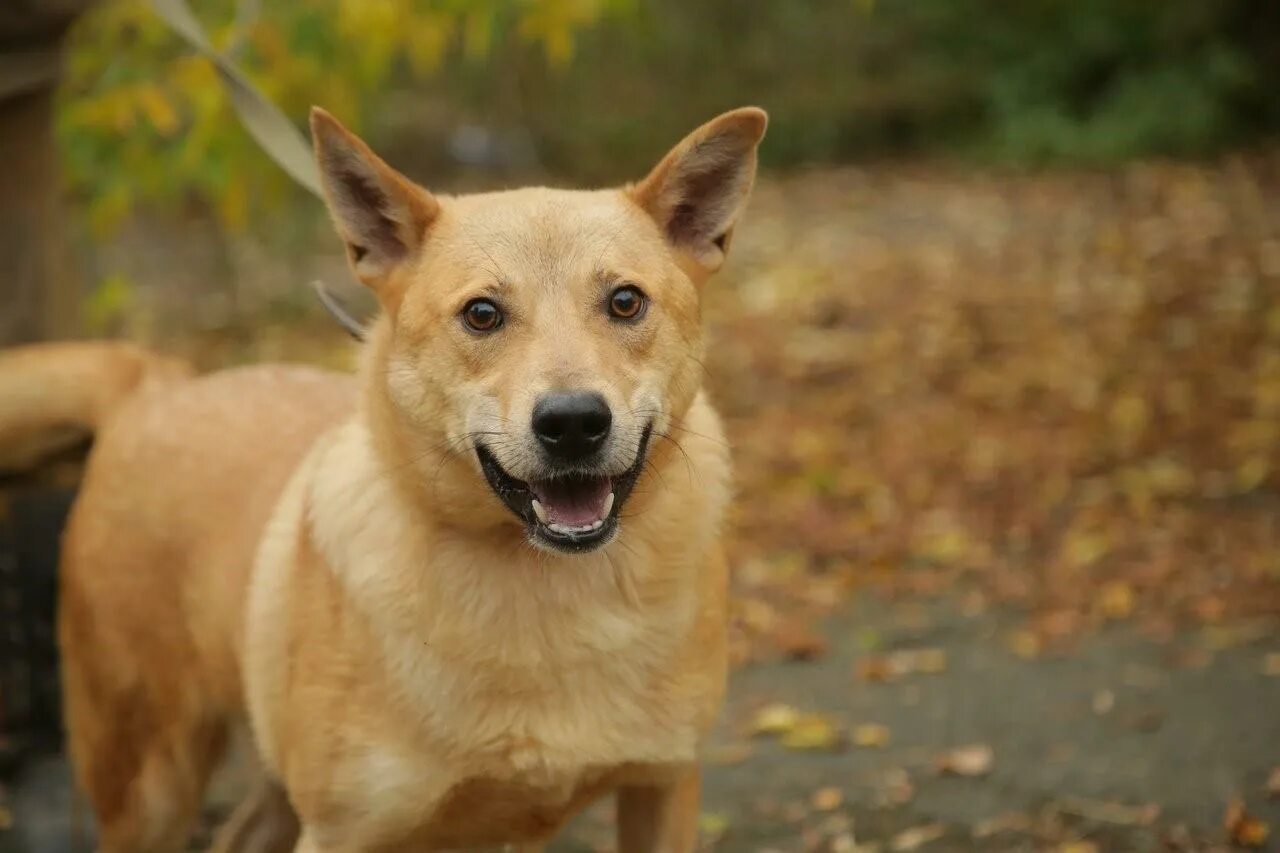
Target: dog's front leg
(660, 818)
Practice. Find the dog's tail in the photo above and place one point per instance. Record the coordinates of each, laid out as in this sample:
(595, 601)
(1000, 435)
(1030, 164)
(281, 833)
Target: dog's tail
(54, 396)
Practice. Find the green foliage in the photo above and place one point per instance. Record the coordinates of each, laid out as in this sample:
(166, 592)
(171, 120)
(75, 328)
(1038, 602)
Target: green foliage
(1101, 80)
(599, 87)
(143, 120)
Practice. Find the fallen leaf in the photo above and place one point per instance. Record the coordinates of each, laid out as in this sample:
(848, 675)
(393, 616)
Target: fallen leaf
(870, 735)
(874, 668)
(917, 836)
(728, 754)
(844, 843)
(1115, 600)
(972, 760)
(930, 661)
(1103, 702)
(1106, 812)
(1271, 664)
(1077, 847)
(775, 719)
(798, 642)
(813, 732)
(826, 799)
(1025, 644)
(902, 663)
(896, 788)
(1008, 822)
(712, 826)
(1244, 829)
(1273, 784)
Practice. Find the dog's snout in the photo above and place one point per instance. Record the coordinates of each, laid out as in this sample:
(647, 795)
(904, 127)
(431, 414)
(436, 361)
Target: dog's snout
(572, 426)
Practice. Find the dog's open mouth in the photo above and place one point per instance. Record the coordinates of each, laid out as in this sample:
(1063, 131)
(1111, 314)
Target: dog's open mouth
(570, 512)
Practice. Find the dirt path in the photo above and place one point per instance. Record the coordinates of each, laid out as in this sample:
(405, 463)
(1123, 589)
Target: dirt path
(1082, 746)
(1125, 742)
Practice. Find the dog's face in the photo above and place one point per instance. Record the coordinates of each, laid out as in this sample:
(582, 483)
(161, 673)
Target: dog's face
(546, 335)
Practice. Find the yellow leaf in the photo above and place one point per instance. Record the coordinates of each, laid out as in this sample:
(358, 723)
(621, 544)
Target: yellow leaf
(158, 110)
(826, 799)
(1252, 473)
(1024, 644)
(813, 732)
(775, 719)
(972, 760)
(870, 735)
(1115, 600)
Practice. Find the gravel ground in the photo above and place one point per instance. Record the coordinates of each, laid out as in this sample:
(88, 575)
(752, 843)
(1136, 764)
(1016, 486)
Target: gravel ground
(1125, 743)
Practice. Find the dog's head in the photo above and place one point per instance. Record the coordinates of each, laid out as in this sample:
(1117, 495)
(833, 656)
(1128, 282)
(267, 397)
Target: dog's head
(543, 336)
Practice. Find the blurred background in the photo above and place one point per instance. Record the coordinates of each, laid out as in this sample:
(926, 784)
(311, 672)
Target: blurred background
(998, 350)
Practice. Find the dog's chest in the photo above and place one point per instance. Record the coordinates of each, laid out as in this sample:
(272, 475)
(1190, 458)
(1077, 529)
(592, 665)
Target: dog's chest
(509, 774)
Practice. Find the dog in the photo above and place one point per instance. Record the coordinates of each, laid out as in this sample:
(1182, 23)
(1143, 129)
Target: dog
(457, 597)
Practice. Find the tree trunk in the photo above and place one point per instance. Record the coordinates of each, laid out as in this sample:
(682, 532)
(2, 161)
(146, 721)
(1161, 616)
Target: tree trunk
(38, 295)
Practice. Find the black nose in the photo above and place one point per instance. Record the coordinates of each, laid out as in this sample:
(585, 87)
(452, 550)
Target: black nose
(572, 426)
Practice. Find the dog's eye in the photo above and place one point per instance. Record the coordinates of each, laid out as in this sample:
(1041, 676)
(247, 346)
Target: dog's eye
(627, 302)
(481, 315)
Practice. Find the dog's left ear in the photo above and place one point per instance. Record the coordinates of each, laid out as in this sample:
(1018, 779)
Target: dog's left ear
(381, 215)
(698, 190)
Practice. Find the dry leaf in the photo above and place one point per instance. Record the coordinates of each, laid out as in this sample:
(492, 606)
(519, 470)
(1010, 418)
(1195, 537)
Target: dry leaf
(1106, 812)
(728, 754)
(870, 735)
(813, 731)
(902, 663)
(826, 799)
(930, 661)
(972, 760)
(874, 668)
(1273, 784)
(845, 843)
(1025, 644)
(1009, 822)
(1115, 600)
(775, 719)
(712, 826)
(1271, 664)
(1103, 702)
(799, 643)
(1244, 829)
(1077, 847)
(917, 836)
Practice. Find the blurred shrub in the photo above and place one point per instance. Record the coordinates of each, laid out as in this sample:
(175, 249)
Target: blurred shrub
(595, 89)
(1014, 80)
(143, 119)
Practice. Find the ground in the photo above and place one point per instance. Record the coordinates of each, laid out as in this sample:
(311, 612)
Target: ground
(1126, 743)
(1006, 559)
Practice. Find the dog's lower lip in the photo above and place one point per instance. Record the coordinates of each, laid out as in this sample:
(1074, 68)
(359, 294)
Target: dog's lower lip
(570, 513)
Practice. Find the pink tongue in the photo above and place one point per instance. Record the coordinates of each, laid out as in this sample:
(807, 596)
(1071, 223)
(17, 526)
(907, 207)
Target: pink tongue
(573, 502)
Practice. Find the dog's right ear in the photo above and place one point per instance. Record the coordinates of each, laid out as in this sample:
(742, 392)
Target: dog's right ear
(381, 215)
(699, 189)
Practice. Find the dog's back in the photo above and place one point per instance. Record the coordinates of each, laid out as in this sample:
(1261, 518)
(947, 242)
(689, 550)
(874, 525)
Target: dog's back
(156, 558)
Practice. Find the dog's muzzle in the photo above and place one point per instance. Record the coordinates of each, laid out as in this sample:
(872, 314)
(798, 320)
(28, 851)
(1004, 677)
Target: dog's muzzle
(573, 512)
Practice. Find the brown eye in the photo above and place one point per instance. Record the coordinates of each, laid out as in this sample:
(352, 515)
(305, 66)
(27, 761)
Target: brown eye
(481, 315)
(627, 302)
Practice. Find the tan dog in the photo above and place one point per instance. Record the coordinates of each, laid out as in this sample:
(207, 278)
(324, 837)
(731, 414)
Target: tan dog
(488, 587)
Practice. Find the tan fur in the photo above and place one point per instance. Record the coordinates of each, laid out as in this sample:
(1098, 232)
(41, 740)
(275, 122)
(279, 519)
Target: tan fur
(322, 558)
(53, 396)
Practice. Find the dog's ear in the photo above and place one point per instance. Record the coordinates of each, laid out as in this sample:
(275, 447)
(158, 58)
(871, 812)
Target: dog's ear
(381, 215)
(698, 190)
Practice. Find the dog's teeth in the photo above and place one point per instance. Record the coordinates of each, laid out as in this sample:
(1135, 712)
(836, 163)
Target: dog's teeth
(539, 511)
(608, 506)
(597, 524)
